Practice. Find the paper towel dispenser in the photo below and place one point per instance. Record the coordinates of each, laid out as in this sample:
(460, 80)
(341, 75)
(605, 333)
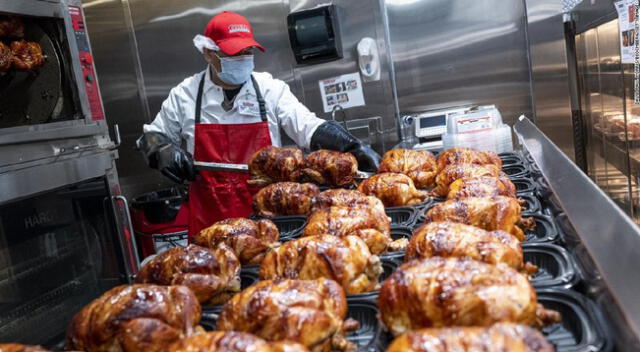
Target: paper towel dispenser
(315, 35)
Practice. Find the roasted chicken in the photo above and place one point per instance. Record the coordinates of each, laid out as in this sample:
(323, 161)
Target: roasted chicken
(450, 239)
(484, 186)
(213, 275)
(27, 56)
(442, 292)
(273, 164)
(11, 27)
(347, 260)
(454, 172)
(135, 318)
(347, 198)
(488, 213)
(420, 166)
(467, 156)
(331, 168)
(394, 190)
(6, 58)
(249, 240)
(285, 198)
(310, 312)
(369, 224)
(497, 338)
(232, 341)
(15, 347)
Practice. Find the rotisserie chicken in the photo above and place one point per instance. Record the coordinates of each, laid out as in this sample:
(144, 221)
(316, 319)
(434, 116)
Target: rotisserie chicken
(135, 318)
(6, 58)
(232, 341)
(310, 312)
(213, 275)
(249, 240)
(368, 224)
(273, 164)
(285, 198)
(450, 239)
(467, 156)
(485, 186)
(420, 166)
(441, 292)
(331, 168)
(11, 27)
(454, 172)
(488, 213)
(347, 260)
(27, 56)
(394, 190)
(346, 198)
(15, 347)
(497, 338)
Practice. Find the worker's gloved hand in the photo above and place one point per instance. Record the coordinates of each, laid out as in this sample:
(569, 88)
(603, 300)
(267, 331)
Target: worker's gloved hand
(331, 135)
(160, 153)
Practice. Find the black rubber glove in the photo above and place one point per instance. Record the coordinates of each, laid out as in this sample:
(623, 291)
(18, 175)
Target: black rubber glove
(331, 135)
(160, 153)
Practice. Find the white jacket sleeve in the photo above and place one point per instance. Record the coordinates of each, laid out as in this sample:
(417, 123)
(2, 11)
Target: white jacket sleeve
(169, 119)
(296, 120)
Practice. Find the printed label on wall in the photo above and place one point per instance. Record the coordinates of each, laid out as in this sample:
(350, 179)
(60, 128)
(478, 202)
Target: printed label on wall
(628, 37)
(345, 90)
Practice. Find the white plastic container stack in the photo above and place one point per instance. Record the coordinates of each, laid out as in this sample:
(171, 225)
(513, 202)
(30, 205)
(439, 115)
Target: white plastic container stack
(480, 129)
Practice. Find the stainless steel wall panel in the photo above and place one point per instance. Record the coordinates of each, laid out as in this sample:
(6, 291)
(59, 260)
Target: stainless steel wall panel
(449, 53)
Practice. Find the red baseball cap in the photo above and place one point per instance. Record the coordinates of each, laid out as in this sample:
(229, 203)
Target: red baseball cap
(231, 32)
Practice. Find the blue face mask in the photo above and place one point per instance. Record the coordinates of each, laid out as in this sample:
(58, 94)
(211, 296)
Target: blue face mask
(235, 70)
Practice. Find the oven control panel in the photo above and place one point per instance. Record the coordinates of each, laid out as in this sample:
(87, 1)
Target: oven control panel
(86, 62)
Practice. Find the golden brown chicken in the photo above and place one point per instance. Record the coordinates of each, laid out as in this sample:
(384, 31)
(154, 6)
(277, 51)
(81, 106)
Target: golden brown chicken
(27, 56)
(484, 186)
(394, 190)
(467, 156)
(497, 338)
(213, 275)
(249, 240)
(331, 168)
(135, 318)
(347, 260)
(11, 27)
(368, 224)
(310, 312)
(450, 239)
(488, 213)
(285, 198)
(346, 198)
(6, 58)
(232, 341)
(454, 172)
(15, 347)
(420, 166)
(441, 292)
(273, 164)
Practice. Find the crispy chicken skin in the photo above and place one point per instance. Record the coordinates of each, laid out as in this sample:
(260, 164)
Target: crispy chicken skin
(394, 190)
(285, 198)
(368, 224)
(420, 166)
(440, 292)
(467, 156)
(213, 275)
(488, 213)
(497, 338)
(450, 239)
(273, 164)
(11, 27)
(484, 186)
(347, 260)
(6, 58)
(27, 56)
(249, 240)
(310, 312)
(135, 318)
(331, 168)
(232, 341)
(346, 198)
(453, 172)
(15, 347)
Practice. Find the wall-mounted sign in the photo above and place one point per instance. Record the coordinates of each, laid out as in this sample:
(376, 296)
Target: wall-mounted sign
(345, 90)
(628, 35)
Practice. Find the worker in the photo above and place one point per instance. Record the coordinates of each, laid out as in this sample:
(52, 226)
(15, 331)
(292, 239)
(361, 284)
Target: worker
(226, 113)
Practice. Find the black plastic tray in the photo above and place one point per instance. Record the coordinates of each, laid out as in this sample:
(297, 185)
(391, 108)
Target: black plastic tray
(402, 216)
(545, 230)
(516, 170)
(290, 226)
(532, 203)
(524, 185)
(510, 159)
(556, 267)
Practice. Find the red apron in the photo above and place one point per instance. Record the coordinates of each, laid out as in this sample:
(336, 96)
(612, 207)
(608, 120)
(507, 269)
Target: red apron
(219, 195)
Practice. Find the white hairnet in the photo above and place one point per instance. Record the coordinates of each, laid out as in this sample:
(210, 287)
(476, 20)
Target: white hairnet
(201, 42)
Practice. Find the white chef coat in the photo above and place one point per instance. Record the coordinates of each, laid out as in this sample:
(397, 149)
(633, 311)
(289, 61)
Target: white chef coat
(176, 118)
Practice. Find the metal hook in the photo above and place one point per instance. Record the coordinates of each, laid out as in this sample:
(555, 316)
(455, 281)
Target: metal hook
(344, 115)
